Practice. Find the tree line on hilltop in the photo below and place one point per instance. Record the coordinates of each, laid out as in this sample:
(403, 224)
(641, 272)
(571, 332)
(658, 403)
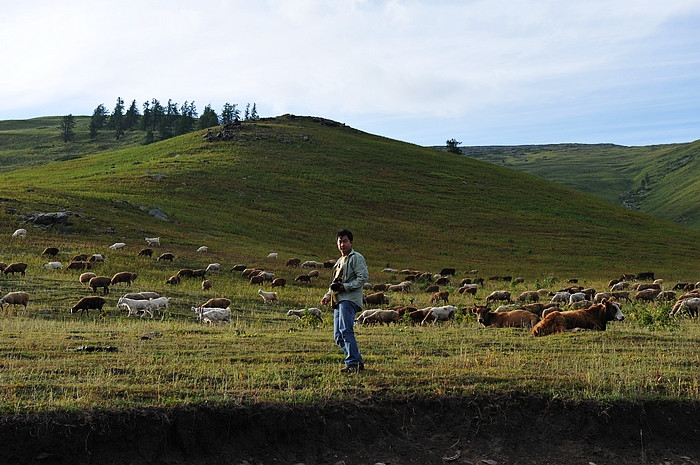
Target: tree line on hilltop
(159, 121)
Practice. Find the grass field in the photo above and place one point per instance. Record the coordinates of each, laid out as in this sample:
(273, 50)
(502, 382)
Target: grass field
(286, 185)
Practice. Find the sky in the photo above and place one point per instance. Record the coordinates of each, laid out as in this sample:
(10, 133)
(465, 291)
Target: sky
(483, 72)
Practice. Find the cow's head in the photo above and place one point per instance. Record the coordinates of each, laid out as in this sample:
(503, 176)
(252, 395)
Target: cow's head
(613, 310)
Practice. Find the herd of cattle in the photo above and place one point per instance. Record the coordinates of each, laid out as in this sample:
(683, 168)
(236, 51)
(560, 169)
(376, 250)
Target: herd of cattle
(542, 310)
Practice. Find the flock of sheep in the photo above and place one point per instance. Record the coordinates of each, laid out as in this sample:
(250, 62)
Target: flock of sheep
(525, 309)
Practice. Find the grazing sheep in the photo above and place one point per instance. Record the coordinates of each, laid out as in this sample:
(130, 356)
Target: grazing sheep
(206, 284)
(79, 265)
(174, 279)
(417, 316)
(293, 263)
(21, 233)
(576, 297)
(166, 256)
(313, 274)
(364, 314)
(117, 246)
(378, 298)
(267, 276)
(256, 280)
(268, 296)
(664, 295)
(18, 267)
(382, 316)
(691, 305)
(14, 299)
(136, 306)
(218, 302)
(561, 297)
(239, 267)
(272, 255)
(50, 251)
(213, 315)
(444, 313)
(401, 287)
(468, 289)
(158, 304)
(581, 304)
(619, 286)
(625, 295)
(124, 277)
(86, 277)
(146, 252)
(440, 296)
(153, 241)
(199, 273)
(213, 267)
(279, 282)
(328, 264)
(310, 264)
(81, 257)
(203, 249)
(97, 257)
(498, 295)
(598, 298)
(100, 281)
(53, 265)
(430, 289)
(531, 296)
(313, 311)
(185, 273)
(646, 295)
(303, 278)
(88, 303)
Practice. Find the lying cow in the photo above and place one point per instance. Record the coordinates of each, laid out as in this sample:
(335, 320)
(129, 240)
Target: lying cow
(513, 318)
(594, 317)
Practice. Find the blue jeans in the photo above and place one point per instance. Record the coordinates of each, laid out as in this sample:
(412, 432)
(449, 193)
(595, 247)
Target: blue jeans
(343, 332)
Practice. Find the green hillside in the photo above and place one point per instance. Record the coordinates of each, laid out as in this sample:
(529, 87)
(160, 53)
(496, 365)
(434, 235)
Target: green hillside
(662, 180)
(287, 184)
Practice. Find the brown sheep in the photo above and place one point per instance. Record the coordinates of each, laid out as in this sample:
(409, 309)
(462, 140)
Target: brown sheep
(380, 287)
(86, 277)
(124, 277)
(239, 267)
(440, 296)
(293, 263)
(382, 316)
(417, 316)
(50, 251)
(174, 279)
(378, 298)
(87, 303)
(303, 278)
(81, 257)
(166, 256)
(432, 288)
(532, 296)
(79, 265)
(14, 298)
(147, 252)
(100, 281)
(217, 302)
(647, 295)
(206, 284)
(313, 274)
(498, 295)
(199, 273)
(279, 282)
(256, 280)
(468, 289)
(185, 273)
(18, 267)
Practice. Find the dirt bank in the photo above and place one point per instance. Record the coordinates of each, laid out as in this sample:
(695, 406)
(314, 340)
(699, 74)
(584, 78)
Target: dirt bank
(512, 430)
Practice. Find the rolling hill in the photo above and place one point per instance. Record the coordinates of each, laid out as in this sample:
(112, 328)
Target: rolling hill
(662, 180)
(286, 184)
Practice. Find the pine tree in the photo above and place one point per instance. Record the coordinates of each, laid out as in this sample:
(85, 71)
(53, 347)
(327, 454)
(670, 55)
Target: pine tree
(208, 118)
(132, 116)
(254, 113)
(98, 119)
(67, 128)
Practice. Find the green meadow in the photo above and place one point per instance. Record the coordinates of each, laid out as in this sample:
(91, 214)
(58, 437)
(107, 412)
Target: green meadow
(286, 185)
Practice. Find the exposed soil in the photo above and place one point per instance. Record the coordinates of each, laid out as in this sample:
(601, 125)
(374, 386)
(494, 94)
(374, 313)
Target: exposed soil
(492, 431)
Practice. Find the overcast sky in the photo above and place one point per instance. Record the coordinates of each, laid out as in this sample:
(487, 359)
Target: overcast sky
(485, 72)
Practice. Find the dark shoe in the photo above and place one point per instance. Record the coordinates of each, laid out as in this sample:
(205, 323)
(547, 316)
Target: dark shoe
(352, 368)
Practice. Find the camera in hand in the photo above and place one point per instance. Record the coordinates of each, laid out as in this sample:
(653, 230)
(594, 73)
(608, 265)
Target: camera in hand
(336, 285)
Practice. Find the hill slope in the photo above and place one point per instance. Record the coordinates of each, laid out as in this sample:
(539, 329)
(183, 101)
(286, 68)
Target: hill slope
(287, 184)
(662, 180)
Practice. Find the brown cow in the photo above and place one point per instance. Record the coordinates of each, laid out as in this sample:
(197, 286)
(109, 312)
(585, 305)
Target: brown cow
(512, 319)
(594, 317)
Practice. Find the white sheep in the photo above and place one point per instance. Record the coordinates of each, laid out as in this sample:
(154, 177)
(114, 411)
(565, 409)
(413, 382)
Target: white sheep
(203, 249)
(560, 297)
(212, 315)
(213, 267)
(21, 233)
(313, 311)
(158, 304)
(134, 307)
(268, 296)
(364, 314)
(272, 255)
(97, 257)
(576, 297)
(53, 265)
(117, 245)
(153, 241)
(444, 313)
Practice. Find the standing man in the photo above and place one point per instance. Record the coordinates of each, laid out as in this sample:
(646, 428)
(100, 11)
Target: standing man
(345, 296)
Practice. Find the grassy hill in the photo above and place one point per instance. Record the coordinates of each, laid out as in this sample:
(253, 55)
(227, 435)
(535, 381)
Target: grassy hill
(287, 184)
(662, 180)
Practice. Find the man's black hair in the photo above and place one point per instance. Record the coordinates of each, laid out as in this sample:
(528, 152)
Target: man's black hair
(344, 232)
